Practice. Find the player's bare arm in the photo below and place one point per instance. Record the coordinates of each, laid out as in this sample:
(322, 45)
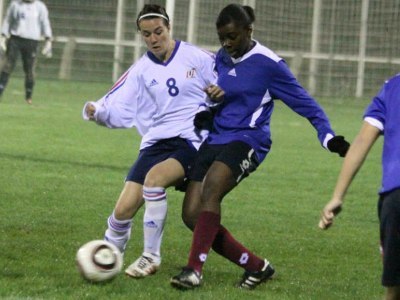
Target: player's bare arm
(354, 159)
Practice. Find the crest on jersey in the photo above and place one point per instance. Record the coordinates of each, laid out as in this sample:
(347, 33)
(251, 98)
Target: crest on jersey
(191, 73)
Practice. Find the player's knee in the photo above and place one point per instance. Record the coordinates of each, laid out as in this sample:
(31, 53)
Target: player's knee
(189, 222)
(212, 185)
(212, 195)
(393, 293)
(154, 180)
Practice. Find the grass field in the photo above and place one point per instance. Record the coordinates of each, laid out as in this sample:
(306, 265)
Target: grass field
(60, 177)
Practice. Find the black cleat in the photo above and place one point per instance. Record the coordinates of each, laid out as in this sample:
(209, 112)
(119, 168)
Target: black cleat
(251, 280)
(187, 279)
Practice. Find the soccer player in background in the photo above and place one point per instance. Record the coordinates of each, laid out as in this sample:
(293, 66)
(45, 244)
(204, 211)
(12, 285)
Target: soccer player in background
(252, 77)
(382, 117)
(159, 95)
(25, 24)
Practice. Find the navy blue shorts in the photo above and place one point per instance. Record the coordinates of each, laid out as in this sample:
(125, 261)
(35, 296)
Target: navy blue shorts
(177, 148)
(389, 218)
(237, 155)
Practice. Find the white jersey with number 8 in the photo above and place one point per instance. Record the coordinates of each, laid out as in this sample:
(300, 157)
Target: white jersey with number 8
(160, 99)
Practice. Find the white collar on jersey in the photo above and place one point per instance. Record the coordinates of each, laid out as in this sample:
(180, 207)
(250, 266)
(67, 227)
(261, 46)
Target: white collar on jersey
(246, 55)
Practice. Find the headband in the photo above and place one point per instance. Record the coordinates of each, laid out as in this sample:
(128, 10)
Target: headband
(153, 15)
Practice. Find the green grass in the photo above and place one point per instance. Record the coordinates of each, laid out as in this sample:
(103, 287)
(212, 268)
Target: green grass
(60, 177)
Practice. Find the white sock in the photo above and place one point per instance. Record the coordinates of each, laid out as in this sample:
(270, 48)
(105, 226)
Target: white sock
(154, 218)
(118, 232)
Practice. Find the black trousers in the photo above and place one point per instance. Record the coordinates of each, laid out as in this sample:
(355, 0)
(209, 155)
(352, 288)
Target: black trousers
(28, 50)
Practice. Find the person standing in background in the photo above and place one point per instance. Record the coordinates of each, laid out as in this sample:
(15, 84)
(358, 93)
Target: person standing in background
(24, 25)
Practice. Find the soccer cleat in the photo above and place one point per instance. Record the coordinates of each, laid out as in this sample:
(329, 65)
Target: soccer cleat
(29, 101)
(251, 280)
(143, 266)
(187, 279)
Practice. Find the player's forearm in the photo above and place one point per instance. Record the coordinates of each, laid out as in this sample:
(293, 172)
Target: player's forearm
(352, 163)
(355, 158)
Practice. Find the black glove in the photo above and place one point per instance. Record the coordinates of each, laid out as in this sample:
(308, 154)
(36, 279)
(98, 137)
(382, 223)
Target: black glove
(203, 120)
(339, 145)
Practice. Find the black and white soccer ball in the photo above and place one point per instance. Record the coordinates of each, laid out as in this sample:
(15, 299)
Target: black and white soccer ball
(99, 261)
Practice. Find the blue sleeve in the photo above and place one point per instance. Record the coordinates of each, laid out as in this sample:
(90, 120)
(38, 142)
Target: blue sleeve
(285, 87)
(376, 109)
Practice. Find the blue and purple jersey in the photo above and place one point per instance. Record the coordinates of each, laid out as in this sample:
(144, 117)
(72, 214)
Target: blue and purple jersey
(251, 83)
(384, 113)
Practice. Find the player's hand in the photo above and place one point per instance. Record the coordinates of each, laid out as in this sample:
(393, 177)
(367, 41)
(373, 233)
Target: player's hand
(203, 120)
(3, 43)
(330, 211)
(339, 145)
(47, 50)
(90, 109)
(215, 93)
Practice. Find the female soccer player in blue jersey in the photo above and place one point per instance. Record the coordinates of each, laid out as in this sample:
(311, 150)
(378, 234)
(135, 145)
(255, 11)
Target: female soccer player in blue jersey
(382, 117)
(252, 77)
(160, 96)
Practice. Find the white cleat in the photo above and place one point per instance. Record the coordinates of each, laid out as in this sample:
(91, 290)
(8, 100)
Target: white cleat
(145, 265)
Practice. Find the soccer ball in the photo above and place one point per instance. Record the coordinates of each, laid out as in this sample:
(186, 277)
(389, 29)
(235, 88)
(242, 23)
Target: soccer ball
(99, 261)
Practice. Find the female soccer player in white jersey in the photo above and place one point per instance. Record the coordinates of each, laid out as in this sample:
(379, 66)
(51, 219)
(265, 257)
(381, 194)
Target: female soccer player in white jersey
(252, 77)
(160, 96)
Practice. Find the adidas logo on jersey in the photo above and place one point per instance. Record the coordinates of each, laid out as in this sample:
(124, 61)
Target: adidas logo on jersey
(232, 72)
(153, 83)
